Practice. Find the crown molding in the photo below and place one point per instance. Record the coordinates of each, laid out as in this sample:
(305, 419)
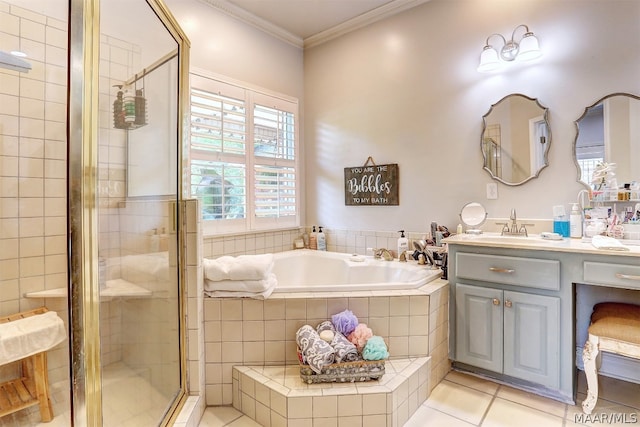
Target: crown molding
(241, 14)
(377, 14)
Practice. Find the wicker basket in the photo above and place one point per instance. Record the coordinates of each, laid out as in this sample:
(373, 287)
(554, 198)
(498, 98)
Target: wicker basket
(344, 372)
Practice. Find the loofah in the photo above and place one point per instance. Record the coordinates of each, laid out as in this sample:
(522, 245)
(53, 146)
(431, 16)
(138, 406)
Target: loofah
(375, 349)
(345, 322)
(360, 335)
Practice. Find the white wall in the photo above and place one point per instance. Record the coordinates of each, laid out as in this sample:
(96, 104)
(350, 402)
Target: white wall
(226, 46)
(405, 90)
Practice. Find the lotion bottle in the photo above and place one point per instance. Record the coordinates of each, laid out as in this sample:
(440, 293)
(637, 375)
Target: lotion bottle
(321, 240)
(313, 239)
(575, 222)
(403, 243)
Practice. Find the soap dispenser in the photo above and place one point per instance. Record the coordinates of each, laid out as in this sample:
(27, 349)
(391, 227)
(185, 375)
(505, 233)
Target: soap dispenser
(403, 243)
(321, 240)
(313, 239)
(575, 222)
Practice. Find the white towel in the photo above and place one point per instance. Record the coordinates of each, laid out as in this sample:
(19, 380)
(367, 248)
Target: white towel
(243, 267)
(233, 294)
(607, 243)
(25, 337)
(242, 285)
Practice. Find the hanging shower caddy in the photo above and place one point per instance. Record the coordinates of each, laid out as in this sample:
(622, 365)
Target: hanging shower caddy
(130, 106)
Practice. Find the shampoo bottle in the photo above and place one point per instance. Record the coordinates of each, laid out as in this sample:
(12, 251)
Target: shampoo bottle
(313, 239)
(403, 243)
(321, 239)
(575, 222)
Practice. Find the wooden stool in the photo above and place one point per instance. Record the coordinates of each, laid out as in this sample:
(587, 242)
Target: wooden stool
(615, 328)
(32, 388)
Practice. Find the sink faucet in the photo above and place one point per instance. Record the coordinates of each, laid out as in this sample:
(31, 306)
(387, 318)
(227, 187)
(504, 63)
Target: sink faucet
(514, 224)
(514, 230)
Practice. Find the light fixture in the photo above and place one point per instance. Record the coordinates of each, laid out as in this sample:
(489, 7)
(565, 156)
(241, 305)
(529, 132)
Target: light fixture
(524, 49)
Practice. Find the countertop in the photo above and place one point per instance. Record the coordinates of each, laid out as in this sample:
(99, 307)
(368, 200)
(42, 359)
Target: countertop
(535, 242)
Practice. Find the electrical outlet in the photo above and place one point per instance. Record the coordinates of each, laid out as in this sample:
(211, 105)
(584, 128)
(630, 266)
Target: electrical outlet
(492, 191)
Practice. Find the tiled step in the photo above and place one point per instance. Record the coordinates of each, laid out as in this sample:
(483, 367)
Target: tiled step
(275, 396)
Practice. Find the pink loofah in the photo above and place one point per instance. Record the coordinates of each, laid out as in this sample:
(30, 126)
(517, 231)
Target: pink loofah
(345, 322)
(360, 335)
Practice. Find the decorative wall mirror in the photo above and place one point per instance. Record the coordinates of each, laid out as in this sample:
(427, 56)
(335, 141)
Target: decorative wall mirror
(609, 131)
(515, 139)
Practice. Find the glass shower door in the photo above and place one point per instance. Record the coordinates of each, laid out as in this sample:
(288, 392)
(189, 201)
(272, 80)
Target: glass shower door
(128, 297)
(140, 303)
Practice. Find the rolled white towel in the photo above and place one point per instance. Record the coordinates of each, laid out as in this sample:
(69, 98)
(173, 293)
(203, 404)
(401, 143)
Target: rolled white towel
(242, 285)
(233, 294)
(243, 267)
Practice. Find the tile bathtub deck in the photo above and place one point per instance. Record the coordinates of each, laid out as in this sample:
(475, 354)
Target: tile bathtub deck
(465, 400)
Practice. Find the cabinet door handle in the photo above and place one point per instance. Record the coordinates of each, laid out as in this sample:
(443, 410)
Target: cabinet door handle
(496, 301)
(627, 276)
(508, 304)
(501, 270)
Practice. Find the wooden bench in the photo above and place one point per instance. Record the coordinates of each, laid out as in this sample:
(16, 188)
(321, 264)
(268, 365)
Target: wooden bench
(614, 328)
(32, 387)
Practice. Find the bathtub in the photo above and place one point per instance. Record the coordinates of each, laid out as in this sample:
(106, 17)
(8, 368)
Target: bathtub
(306, 270)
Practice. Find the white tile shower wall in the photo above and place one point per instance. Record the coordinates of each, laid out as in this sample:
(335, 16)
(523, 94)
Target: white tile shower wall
(33, 223)
(254, 332)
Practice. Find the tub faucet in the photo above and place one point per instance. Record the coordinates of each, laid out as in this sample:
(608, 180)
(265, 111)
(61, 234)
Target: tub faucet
(383, 253)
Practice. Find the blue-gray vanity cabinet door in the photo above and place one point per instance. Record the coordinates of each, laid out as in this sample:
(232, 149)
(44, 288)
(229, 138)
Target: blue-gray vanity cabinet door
(531, 338)
(479, 327)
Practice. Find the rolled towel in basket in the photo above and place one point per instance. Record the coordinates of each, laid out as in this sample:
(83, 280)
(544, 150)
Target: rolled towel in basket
(317, 353)
(345, 350)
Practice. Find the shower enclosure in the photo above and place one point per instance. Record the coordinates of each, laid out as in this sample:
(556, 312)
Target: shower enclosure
(91, 208)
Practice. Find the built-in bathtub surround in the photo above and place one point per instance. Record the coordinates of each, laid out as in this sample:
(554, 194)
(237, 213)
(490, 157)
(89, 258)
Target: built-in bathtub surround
(276, 396)
(414, 323)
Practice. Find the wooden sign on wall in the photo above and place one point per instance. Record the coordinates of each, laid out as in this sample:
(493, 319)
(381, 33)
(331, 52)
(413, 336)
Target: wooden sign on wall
(371, 185)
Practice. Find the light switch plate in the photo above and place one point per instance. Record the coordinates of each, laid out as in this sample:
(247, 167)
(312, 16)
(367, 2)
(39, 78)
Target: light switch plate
(492, 191)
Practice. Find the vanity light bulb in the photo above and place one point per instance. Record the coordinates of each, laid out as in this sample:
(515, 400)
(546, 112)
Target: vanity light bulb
(529, 48)
(489, 60)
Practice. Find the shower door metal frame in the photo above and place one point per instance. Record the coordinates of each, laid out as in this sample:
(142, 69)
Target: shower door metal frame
(82, 212)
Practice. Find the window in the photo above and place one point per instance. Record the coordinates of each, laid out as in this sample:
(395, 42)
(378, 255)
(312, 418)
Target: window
(244, 157)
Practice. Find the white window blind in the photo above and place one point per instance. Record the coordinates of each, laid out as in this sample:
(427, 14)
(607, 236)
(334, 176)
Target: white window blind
(243, 185)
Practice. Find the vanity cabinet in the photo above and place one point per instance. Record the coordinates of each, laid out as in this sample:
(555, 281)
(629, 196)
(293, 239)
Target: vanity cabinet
(508, 332)
(515, 312)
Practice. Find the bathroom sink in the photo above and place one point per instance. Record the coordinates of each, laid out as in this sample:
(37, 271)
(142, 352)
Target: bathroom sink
(497, 239)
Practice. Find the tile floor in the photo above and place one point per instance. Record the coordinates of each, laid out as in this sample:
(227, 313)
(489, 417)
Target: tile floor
(464, 400)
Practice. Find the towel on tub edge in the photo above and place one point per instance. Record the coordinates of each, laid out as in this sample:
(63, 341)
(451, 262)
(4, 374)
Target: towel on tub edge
(242, 285)
(234, 294)
(243, 267)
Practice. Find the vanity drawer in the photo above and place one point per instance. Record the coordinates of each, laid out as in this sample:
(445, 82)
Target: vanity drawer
(530, 272)
(618, 275)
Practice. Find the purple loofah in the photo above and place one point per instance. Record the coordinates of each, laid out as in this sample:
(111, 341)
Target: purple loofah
(345, 322)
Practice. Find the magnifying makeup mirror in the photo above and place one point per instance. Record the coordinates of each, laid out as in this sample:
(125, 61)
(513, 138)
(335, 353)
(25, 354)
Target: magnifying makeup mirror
(473, 215)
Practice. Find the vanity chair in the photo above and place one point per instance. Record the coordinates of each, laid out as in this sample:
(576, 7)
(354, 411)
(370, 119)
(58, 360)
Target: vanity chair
(614, 328)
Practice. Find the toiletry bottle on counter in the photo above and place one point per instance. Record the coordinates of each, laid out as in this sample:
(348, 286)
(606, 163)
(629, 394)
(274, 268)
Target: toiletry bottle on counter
(560, 221)
(403, 243)
(575, 222)
(313, 239)
(321, 240)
